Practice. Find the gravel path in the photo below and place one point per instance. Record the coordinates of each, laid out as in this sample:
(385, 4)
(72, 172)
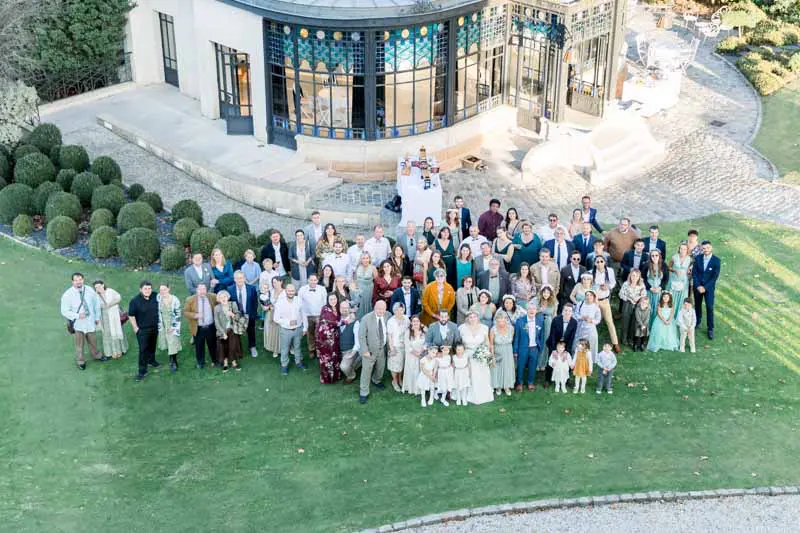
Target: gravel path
(747, 513)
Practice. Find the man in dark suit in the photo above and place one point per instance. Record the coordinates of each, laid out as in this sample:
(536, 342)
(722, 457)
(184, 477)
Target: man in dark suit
(562, 328)
(277, 250)
(654, 243)
(495, 281)
(408, 295)
(528, 344)
(636, 258)
(246, 297)
(570, 276)
(590, 213)
(463, 215)
(584, 242)
(704, 275)
(560, 248)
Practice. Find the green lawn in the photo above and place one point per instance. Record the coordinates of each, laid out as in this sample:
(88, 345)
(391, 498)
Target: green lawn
(778, 138)
(199, 451)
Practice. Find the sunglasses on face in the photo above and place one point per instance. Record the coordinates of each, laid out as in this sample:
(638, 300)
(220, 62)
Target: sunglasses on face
(599, 261)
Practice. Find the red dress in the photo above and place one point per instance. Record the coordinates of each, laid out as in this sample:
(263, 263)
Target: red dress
(330, 357)
(380, 286)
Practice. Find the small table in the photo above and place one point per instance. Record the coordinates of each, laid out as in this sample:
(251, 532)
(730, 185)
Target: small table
(419, 202)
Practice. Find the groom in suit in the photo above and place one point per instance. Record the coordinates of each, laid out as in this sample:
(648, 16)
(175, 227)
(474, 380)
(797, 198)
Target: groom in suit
(704, 275)
(443, 333)
(372, 341)
(408, 295)
(528, 344)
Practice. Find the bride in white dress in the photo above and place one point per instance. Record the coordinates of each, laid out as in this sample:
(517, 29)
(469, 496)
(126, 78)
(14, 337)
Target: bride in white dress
(473, 334)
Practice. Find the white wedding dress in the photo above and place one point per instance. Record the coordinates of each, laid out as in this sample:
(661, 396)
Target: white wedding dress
(480, 376)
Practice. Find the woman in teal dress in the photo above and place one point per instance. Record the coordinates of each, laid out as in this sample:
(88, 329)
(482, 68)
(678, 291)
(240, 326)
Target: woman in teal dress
(484, 308)
(526, 247)
(664, 331)
(578, 293)
(221, 271)
(463, 264)
(427, 230)
(501, 337)
(678, 278)
(655, 281)
(503, 247)
(435, 264)
(444, 245)
(364, 275)
(547, 304)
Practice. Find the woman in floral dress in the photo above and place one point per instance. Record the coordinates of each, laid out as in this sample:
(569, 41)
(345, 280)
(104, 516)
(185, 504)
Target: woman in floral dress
(169, 324)
(272, 331)
(330, 357)
(522, 285)
(325, 244)
(678, 279)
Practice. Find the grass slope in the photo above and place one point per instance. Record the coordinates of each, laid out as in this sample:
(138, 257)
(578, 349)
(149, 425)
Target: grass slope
(199, 451)
(777, 137)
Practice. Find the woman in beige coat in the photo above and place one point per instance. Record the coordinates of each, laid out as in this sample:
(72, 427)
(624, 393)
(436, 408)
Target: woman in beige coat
(114, 342)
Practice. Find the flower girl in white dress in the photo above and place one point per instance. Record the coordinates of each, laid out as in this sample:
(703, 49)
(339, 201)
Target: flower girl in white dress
(461, 375)
(444, 375)
(426, 381)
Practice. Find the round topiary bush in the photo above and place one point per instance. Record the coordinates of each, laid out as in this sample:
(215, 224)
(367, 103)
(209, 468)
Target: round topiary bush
(74, 157)
(55, 154)
(109, 197)
(5, 167)
(187, 209)
(231, 224)
(135, 191)
(15, 199)
(22, 226)
(62, 203)
(3, 183)
(62, 232)
(101, 218)
(107, 169)
(232, 247)
(136, 215)
(34, 169)
(4, 150)
(103, 242)
(203, 240)
(44, 137)
(24, 149)
(183, 229)
(173, 257)
(153, 199)
(42, 194)
(65, 177)
(83, 186)
(251, 239)
(139, 247)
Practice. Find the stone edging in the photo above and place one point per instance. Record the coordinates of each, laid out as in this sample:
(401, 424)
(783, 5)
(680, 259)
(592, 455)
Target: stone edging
(589, 501)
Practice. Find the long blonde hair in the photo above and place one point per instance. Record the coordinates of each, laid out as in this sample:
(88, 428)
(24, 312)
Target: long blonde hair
(213, 262)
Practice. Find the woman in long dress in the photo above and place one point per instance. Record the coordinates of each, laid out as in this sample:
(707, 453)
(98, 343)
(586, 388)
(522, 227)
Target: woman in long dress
(484, 308)
(575, 227)
(413, 345)
(364, 278)
(423, 257)
(588, 315)
(427, 230)
(114, 342)
(504, 248)
(444, 245)
(327, 340)
(522, 285)
(272, 331)
(631, 292)
(547, 304)
(678, 278)
(463, 264)
(169, 325)
(656, 281)
(579, 291)
(511, 223)
(453, 223)
(396, 328)
(526, 247)
(664, 331)
(501, 337)
(473, 335)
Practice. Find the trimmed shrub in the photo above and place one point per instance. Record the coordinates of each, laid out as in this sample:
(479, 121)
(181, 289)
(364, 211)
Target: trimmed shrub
(173, 257)
(101, 218)
(183, 229)
(231, 224)
(55, 154)
(62, 203)
(139, 247)
(34, 169)
(103, 242)
(731, 45)
(765, 83)
(24, 149)
(44, 137)
(62, 232)
(22, 226)
(74, 157)
(106, 169)
(109, 197)
(794, 62)
(153, 199)
(5, 167)
(251, 240)
(135, 191)
(136, 215)
(83, 186)
(187, 209)
(203, 240)
(791, 34)
(232, 247)
(15, 199)
(65, 177)
(42, 194)
(3, 183)
(4, 150)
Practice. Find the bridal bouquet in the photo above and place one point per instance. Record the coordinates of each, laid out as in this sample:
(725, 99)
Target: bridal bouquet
(482, 355)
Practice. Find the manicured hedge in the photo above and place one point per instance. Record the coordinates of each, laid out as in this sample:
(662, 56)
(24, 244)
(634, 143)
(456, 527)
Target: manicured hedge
(203, 240)
(106, 169)
(136, 215)
(15, 199)
(153, 199)
(65, 177)
(5, 167)
(173, 257)
(100, 218)
(34, 169)
(187, 209)
(22, 226)
(83, 186)
(42, 194)
(74, 157)
(44, 137)
(62, 203)
(24, 149)
(232, 247)
(139, 247)
(103, 242)
(109, 197)
(135, 191)
(62, 232)
(183, 229)
(55, 155)
(231, 224)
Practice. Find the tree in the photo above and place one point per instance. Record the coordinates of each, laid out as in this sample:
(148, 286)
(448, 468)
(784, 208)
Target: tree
(17, 108)
(743, 15)
(17, 20)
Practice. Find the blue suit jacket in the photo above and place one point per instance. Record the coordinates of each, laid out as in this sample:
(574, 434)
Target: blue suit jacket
(521, 338)
(593, 219)
(577, 241)
(397, 296)
(551, 245)
(706, 278)
(252, 300)
(661, 246)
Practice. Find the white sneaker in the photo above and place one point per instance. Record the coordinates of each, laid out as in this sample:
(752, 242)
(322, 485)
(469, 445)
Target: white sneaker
(444, 402)
(430, 402)
(396, 387)
(611, 392)
(253, 352)
(575, 391)
(564, 390)
(275, 355)
(599, 392)
(423, 404)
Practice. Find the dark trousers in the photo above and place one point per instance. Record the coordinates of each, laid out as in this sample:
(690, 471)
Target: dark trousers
(708, 296)
(628, 322)
(146, 337)
(251, 332)
(206, 337)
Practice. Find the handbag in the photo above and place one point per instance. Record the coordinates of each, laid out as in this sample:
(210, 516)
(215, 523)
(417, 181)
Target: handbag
(418, 277)
(677, 285)
(71, 323)
(123, 317)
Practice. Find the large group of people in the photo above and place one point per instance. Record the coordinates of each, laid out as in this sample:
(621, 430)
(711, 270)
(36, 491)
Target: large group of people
(463, 313)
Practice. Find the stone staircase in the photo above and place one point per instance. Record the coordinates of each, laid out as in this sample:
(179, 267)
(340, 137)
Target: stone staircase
(622, 147)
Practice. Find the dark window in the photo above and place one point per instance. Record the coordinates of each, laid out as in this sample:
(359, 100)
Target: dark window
(168, 49)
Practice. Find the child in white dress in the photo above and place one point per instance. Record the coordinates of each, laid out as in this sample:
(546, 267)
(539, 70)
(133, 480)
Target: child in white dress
(444, 375)
(461, 375)
(687, 322)
(426, 380)
(559, 361)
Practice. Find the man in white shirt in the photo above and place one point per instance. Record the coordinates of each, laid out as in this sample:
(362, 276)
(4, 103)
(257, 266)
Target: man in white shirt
(354, 255)
(338, 260)
(348, 342)
(548, 231)
(312, 297)
(288, 314)
(474, 241)
(378, 246)
(561, 248)
(313, 231)
(80, 305)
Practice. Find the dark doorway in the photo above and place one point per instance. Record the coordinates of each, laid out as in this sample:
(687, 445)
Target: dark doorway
(168, 49)
(233, 83)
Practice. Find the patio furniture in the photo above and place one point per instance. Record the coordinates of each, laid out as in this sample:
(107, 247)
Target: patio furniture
(688, 19)
(709, 31)
(641, 49)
